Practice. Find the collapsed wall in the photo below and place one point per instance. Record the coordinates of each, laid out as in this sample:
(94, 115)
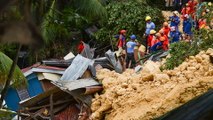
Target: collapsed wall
(151, 93)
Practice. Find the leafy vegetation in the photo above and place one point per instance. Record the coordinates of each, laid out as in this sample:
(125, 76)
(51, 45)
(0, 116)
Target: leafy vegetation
(129, 15)
(5, 64)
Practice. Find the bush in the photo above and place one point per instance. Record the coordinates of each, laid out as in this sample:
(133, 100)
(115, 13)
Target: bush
(202, 40)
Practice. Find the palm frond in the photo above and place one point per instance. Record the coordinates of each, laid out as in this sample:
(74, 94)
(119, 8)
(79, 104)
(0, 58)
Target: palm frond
(18, 80)
(47, 34)
(91, 8)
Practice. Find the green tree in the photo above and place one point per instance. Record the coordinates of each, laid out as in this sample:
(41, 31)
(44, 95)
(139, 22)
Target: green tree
(129, 15)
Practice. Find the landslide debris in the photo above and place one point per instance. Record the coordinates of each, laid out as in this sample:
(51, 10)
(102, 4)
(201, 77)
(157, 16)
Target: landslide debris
(151, 93)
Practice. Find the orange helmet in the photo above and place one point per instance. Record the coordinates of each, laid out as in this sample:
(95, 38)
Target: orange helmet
(165, 24)
(158, 34)
(161, 31)
(123, 31)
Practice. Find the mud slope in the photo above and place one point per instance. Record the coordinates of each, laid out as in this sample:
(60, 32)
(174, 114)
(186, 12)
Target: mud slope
(151, 93)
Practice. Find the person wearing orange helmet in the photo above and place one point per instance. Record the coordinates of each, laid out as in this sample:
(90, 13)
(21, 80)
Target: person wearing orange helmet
(158, 46)
(166, 28)
(122, 39)
(166, 40)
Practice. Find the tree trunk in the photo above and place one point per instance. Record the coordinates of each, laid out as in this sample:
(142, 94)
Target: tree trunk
(10, 76)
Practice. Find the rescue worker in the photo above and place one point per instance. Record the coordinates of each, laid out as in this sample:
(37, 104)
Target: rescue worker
(150, 39)
(80, 47)
(121, 53)
(185, 10)
(175, 20)
(192, 4)
(130, 59)
(166, 40)
(158, 35)
(122, 40)
(139, 52)
(158, 45)
(187, 25)
(149, 26)
(166, 28)
(174, 35)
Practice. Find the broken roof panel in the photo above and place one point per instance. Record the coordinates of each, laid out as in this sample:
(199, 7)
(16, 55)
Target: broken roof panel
(77, 68)
(115, 62)
(41, 68)
(76, 84)
(48, 76)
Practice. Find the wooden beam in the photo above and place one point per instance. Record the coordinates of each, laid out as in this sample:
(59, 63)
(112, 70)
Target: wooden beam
(51, 107)
(44, 106)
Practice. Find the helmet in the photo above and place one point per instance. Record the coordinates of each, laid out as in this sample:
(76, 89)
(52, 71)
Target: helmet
(165, 24)
(173, 28)
(122, 31)
(133, 37)
(209, 4)
(161, 31)
(158, 34)
(175, 12)
(148, 18)
(162, 38)
(152, 31)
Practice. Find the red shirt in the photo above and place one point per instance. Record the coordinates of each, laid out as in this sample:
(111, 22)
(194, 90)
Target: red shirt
(121, 41)
(80, 47)
(166, 30)
(192, 5)
(165, 43)
(149, 42)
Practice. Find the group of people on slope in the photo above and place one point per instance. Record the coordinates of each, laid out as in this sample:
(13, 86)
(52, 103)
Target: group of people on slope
(168, 34)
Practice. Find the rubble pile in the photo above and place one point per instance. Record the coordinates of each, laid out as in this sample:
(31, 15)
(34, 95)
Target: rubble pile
(151, 93)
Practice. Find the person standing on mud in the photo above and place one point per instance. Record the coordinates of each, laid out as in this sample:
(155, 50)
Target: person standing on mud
(175, 20)
(149, 26)
(130, 60)
(121, 53)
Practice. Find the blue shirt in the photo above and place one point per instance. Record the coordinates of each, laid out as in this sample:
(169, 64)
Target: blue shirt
(175, 36)
(175, 20)
(156, 46)
(187, 27)
(130, 46)
(149, 26)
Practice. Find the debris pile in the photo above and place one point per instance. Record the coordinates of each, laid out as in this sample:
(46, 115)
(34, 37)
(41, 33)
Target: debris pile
(152, 93)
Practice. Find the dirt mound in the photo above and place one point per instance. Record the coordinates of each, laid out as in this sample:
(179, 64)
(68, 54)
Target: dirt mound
(151, 93)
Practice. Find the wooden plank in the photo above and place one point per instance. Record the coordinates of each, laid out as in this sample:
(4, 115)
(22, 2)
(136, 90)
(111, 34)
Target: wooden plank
(51, 107)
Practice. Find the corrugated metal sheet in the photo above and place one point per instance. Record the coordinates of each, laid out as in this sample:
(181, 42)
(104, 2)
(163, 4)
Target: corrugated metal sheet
(116, 63)
(41, 68)
(87, 51)
(76, 84)
(76, 69)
